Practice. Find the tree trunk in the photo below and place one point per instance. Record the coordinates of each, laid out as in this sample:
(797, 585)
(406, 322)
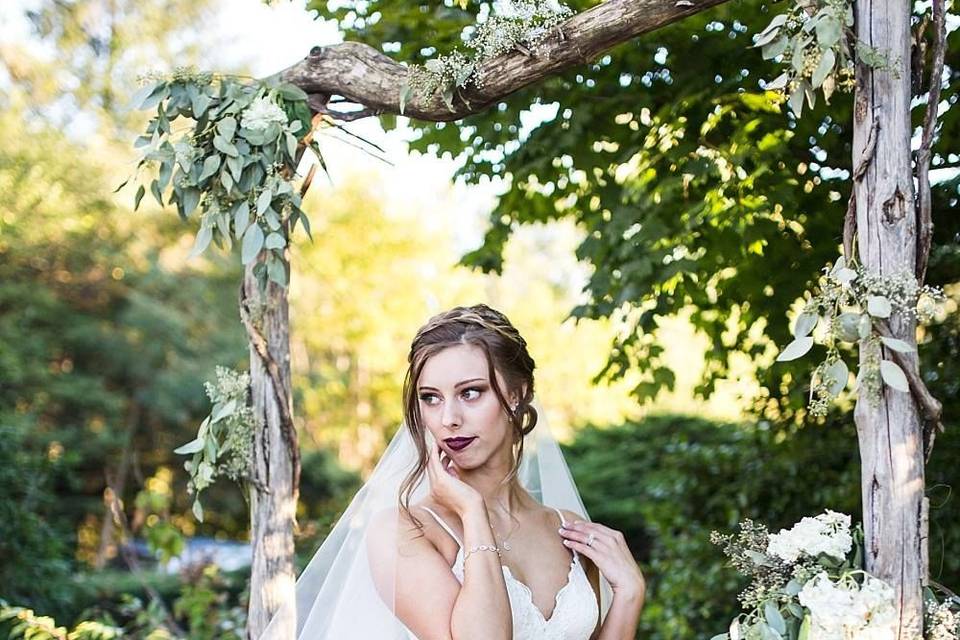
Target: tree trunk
(274, 495)
(890, 430)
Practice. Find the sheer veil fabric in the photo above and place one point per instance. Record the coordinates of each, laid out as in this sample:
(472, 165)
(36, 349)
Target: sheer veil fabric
(347, 590)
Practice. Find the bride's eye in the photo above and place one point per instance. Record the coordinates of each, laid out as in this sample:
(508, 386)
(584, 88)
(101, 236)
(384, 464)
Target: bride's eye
(475, 390)
(428, 398)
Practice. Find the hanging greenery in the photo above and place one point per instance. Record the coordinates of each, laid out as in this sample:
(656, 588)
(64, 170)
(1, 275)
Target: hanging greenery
(849, 306)
(234, 161)
(224, 442)
(816, 42)
(520, 25)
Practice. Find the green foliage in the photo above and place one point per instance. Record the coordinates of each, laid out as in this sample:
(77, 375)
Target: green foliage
(205, 606)
(34, 556)
(693, 189)
(814, 39)
(224, 443)
(848, 304)
(668, 481)
(235, 163)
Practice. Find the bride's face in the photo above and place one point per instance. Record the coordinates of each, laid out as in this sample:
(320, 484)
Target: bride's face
(460, 408)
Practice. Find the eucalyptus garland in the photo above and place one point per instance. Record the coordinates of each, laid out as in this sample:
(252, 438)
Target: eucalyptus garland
(224, 442)
(848, 305)
(816, 42)
(520, 25)
(234, 161)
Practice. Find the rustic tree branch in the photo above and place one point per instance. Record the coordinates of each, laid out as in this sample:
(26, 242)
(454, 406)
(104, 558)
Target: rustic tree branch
(924, 204)
(373, 80)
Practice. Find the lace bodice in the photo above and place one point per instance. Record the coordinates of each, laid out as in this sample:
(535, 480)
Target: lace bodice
(575, 610)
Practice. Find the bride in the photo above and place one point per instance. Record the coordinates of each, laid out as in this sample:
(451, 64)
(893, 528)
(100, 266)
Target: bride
(494, 544)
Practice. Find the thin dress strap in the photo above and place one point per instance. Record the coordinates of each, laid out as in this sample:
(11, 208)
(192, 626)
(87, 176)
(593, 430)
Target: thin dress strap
(560, 513)
(445, 526)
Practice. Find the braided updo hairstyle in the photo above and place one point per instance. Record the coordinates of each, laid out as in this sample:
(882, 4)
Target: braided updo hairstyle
(506, 353)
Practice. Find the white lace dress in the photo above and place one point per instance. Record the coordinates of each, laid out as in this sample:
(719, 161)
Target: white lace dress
(575, 610)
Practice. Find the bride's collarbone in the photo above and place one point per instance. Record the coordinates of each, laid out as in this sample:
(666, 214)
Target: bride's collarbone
(536, 556)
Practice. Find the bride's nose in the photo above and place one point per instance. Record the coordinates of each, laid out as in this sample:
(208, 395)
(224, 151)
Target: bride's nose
(450, 417)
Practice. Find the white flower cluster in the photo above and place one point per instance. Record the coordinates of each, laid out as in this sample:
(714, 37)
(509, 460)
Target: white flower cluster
(827, 533)
(844, 609)
(261, 113)
(943, 622)
(526, 22)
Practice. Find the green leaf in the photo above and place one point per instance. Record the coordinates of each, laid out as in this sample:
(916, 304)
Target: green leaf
(848, 326)
(236, 167)
(894, 376)
(805, 324)
(252, 243)
(774, 618)
(202, 240)
(775, 48)
(405, 92)
(241, 218)
(190, 200)
(263, 201)
(197, 510)
(163, 176)
(227, 127)
(828, 31)
(225, 147)
(141, 191)
(210, 166)
(839, 373)
(291, 92)
(275, 241)
(897, 345)
(277, 272)
(291, 146)
(199, 102)
(226, 180)
(191, 447)
(158, 93)
(796, 101)
(827, 61)
(795, 349)
(273, 221)
(804, 633)
(223, 411)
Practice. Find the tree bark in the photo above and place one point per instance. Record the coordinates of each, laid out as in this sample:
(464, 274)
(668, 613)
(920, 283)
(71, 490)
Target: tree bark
(890, 430)
(373, 80)
(276, 461)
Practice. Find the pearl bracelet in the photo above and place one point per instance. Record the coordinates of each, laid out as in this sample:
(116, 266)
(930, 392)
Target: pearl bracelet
(482, 547)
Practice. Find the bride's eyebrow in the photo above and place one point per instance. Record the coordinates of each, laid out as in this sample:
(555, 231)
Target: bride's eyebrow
(459, 384)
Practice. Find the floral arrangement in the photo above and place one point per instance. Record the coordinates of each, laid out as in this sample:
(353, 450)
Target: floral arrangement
(520, 25)
(815, 40)
(233, 159)
(849, 304)
(224, 442)
(808, 583)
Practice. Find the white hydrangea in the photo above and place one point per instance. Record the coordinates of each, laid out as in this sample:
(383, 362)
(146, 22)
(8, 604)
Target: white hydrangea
(827, 533)
(261, 112)
(846, 610)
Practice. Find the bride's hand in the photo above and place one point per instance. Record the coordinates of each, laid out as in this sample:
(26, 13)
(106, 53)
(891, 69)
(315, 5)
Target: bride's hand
(610, 553)
(446, 487)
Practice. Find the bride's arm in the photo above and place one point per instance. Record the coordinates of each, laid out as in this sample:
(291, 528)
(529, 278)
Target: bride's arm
(428, 597)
